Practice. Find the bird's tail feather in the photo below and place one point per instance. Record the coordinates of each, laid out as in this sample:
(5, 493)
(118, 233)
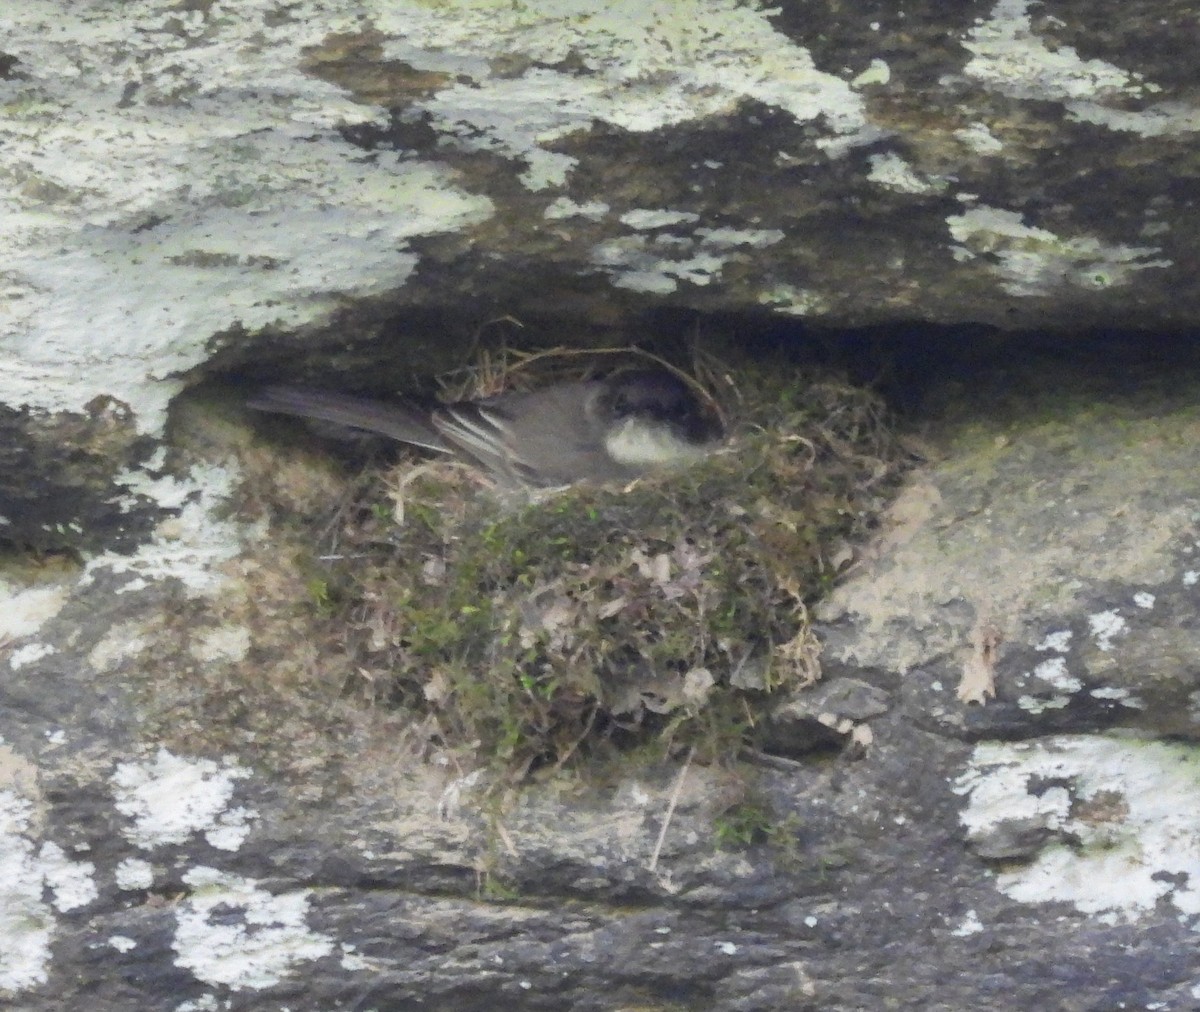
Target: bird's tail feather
(399, 421)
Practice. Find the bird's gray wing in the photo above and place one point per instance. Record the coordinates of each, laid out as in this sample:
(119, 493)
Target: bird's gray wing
(482, 433)
(546, 437)
(406, 423)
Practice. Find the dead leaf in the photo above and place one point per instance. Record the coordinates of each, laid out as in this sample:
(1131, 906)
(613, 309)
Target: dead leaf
(433, 571)
(841, 557)
(549, 613)
(697, 684)
(437, 689)
(750, 674)
(861, 739)
(656, 568)
(978, 682)
(614, 607)
(663, 694)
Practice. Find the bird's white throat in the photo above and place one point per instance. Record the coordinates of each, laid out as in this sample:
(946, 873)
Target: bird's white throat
(637, 443)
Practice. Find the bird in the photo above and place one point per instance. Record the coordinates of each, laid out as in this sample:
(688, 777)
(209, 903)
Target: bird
(617, 428)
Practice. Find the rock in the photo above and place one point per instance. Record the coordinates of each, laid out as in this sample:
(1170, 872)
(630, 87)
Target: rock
(195, 811)
(823, 715)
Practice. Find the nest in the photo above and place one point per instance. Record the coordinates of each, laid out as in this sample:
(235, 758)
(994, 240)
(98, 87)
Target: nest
(670, 613)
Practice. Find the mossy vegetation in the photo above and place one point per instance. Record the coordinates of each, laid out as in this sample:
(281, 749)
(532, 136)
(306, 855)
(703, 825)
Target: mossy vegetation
(599, 620)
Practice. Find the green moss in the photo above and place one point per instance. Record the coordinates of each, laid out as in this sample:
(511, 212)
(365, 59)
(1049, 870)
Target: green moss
(743, 824)
(318, 590)
(752, 821)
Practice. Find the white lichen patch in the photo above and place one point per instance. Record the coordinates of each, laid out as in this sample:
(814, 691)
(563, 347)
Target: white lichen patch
(658, 263)
(189, 546)
(651, 218)
(26, 918)
(979, 139)
(636, 265)
(120, 643)
(1144, 599)
(1032, 261)
(71, 883)
(226, 644)
(1158, 120)
(1009, 57)
(729, 238)
(232, 933)
(174, 173)
(639, 67)
(354, 961)
(134, 873)
(1059, 641)
(892, 172)
(24, 610)
(29, 654)
(1104, 626)
(794, 301)
(1054, 673)
(170, 799)
(562, 208)
(877, 72)
(1117, 695)
(1038, 704)
(969, 925)
(26, 921)
(205, 1003)
(1124, 830)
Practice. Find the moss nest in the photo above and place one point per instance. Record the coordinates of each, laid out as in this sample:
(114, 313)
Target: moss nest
(591, 621)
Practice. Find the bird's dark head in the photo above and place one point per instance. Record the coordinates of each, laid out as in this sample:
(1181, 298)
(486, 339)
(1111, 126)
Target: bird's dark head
(657, 396)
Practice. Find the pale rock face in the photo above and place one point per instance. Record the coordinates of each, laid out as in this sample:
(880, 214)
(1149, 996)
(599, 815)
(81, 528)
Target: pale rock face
(181, 173)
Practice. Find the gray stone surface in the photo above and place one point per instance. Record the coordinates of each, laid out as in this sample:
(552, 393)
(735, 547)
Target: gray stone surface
(1037, 849)
(1000, 808)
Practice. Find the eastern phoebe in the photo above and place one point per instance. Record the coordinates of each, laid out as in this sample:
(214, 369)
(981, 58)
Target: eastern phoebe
(613, 429)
